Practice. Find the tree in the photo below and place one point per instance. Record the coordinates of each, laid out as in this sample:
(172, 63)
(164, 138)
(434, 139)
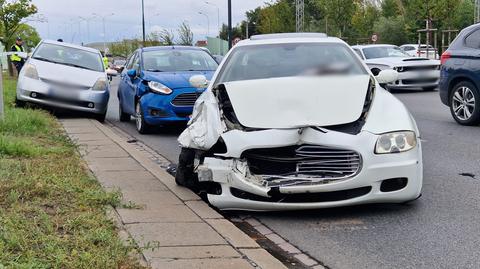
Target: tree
(11, 15)
(166, 37)
(29, 35)
(391, 30)
(185, 35)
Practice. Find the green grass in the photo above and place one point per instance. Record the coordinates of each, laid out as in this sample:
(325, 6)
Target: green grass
(52, 212)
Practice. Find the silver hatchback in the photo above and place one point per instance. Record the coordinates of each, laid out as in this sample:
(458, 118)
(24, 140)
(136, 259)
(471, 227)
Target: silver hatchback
(65, 76)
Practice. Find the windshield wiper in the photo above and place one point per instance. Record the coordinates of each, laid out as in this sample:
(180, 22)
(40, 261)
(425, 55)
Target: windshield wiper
(155, 70)
(79, 66)
(45, 60)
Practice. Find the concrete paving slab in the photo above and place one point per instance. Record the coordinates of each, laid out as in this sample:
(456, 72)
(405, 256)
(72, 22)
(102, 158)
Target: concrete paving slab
(68, 123)
(103, 151)
(88, 137)
(174, 234)
(150, 200)
(263, 259)
(192, 252)
(161, 213)
(232, 234)
(200, 263)
(114, 164)
(136, 181)
(203, 210)
(103, 142)
(80, 130)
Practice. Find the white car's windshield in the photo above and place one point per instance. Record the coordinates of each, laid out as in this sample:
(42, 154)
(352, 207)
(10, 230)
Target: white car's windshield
(178, 60)
(69, 56)
(383, 52)
(288, 60)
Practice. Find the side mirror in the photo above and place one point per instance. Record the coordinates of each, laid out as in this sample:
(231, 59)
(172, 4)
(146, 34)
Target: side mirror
(198, 81)
(387, 76)
(132, 73)
(112, 72)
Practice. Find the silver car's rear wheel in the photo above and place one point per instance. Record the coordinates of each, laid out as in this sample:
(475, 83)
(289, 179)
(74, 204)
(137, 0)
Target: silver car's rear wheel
(464, 105)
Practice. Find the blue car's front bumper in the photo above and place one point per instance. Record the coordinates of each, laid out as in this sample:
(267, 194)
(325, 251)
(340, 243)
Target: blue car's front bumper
(161, 109)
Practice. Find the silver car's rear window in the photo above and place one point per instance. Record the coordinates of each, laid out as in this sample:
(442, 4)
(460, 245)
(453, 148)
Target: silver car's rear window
(69, 56)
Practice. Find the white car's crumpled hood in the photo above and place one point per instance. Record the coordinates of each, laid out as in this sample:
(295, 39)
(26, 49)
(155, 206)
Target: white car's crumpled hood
(298, 101)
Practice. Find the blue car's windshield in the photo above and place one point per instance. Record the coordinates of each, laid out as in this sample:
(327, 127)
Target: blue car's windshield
(178, 60)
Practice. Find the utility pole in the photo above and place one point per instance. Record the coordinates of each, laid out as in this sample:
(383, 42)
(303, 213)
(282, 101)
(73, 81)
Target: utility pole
(476, 19)
(300, 13)
(1, 94)
(208, 21)
(143, 22)
(230, 37)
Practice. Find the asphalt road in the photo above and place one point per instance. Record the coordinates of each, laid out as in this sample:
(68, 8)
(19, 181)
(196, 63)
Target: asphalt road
(441, 230)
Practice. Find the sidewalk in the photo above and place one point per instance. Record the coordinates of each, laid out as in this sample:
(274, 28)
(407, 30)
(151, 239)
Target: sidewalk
(173, 226)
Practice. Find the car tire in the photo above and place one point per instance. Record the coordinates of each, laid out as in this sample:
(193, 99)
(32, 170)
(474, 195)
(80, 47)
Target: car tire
(142, 126)
(101, 117)
(429, 89)
(465, 103)
(185, 175)
(124, 117)
(20, 103)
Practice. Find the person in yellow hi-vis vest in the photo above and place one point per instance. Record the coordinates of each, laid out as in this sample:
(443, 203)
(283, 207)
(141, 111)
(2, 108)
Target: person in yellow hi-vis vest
(17, 60)
(105, 60)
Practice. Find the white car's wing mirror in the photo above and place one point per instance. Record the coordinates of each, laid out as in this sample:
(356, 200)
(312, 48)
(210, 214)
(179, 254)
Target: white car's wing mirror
(387, 76)
(198, 81)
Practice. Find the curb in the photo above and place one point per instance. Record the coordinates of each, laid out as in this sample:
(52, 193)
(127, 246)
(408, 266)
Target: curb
(249, 249)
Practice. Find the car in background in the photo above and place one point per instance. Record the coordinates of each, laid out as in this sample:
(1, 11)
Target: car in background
(460, 76)
(297, 121)
(413, 72)
(119, 65)
(155, 88)
(218, 58)
(415, 50)
(66, 76)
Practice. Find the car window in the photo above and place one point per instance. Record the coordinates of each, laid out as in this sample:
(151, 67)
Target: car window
(176, 60)
(136, 62)
(69, 56)
(473, 40)
(383, 52)
(288, 60)
(408, 48)
(359, 53)
(130, 61)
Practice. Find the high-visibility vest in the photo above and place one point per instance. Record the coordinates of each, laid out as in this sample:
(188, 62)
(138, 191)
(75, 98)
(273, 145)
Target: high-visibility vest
(105, 62)
(15, 57)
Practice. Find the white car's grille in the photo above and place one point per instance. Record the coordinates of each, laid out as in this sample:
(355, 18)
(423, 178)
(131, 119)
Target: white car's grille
(305, 164)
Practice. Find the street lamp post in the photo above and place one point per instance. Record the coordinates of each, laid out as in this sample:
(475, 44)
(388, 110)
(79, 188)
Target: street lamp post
(230, 37)
(87, 20)
(104, 31)
(208, 22)
(143, 22)
(218, 14)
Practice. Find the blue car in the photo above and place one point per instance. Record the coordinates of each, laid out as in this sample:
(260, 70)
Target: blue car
(155, 86)
(460, 76)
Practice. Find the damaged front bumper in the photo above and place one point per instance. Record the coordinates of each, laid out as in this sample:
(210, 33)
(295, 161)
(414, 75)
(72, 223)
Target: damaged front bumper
(390, 178)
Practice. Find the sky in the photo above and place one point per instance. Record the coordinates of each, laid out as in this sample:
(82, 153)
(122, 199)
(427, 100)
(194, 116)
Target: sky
(61, 18)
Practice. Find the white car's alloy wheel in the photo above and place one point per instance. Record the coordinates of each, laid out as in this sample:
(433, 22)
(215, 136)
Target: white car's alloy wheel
(463, 103)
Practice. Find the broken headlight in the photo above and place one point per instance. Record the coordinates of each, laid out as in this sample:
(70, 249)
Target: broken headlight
(395, 142)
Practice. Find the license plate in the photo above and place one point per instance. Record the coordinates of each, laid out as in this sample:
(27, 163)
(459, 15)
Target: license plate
(64, 94)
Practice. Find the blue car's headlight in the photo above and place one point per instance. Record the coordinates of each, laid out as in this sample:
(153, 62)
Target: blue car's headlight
(158, 87)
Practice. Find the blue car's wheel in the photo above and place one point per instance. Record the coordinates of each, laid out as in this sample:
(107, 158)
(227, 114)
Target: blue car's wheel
(142, 126)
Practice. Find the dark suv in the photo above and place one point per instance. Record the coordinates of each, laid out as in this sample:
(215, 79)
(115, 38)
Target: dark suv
(460, 76)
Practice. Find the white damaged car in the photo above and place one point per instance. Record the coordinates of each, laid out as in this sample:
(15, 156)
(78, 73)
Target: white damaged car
(297, 121)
